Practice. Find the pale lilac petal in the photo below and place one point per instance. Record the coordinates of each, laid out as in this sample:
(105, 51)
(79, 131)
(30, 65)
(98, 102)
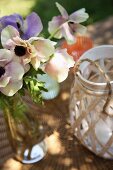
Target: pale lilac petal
(54, 27)
(10, 44)
(58, 66)
(62, 10)
(66, 32)
(15, 71)
(35, 63)
(8, 33)
(32, 39)
(5, 57)
(32, 26)
(25, 60)
(63, 54)
(79, 16)
(53, 43)
(26, 68)
(44, 48)
(81, 29)
(62, 75)
(12, 88)
(4, 80)
(17, 40)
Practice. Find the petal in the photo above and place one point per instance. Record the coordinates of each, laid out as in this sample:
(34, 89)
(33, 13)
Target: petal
(8, 33)
(54, 26)
(62, 75)
(81, 29)
(66, 32)
(12, 88)
(18, 40)
(18, 21)
(4, 80)
(79, 16)
(62, 11)
(45, 48)
(32, 26)
(33, 39)
(69, 59)
(26, 68)
(5, 57)
(12, 20)
(35, 63)
(10, 44)
(15, 71)
(57, 68)
(59, 65)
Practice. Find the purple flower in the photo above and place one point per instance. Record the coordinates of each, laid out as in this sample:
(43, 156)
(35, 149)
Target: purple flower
(66, 25)
(27, 28)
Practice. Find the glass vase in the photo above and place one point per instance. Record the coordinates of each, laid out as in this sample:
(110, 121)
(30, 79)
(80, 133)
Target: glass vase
(91, 101)
(26, 131)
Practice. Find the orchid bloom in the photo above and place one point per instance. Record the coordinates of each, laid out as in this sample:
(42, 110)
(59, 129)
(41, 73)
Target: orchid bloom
(58, 66)
(34, 51)
(66, 25)
(27, 28)
(11, 73)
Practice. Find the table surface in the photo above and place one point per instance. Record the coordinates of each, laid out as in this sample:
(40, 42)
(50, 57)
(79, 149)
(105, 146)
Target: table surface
(64, 151)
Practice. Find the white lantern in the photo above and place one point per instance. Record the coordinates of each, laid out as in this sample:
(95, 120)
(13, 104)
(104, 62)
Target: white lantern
(91, 101)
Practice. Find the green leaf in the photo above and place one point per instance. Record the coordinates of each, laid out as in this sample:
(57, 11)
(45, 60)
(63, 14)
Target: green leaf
(40, 72)
(35, 88)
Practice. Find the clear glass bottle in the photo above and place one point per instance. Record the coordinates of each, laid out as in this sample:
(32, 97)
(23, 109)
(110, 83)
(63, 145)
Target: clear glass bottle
(26, 130)
(91, 101)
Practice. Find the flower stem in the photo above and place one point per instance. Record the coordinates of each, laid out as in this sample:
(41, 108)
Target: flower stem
(52, 35)
(12, 132)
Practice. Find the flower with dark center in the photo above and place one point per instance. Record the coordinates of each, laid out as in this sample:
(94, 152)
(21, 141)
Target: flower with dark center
(34, 50)
(2, 71)
(20, 50)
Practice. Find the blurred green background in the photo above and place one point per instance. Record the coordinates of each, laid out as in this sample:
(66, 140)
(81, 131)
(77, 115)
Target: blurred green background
(97, 9)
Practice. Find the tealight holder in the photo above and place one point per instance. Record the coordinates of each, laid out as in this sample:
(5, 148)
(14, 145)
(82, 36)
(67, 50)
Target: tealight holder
(91, 100)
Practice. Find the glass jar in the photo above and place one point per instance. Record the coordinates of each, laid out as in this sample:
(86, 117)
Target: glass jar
(91, 101)
(26, 130)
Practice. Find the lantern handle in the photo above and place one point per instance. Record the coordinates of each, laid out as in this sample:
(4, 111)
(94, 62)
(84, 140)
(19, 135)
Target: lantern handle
(108, 85)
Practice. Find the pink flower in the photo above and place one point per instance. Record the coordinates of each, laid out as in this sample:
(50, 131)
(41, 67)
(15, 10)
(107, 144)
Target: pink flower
(59, 64)
(34, 51)
(66, 25)
(11, 73)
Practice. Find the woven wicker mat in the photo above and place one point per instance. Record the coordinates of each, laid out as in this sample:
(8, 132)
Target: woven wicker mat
(5, 148)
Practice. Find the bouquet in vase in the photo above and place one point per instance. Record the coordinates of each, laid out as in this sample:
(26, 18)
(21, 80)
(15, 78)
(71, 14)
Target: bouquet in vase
(24, 54)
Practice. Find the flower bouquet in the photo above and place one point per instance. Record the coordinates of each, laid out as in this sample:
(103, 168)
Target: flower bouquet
(24, 54)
